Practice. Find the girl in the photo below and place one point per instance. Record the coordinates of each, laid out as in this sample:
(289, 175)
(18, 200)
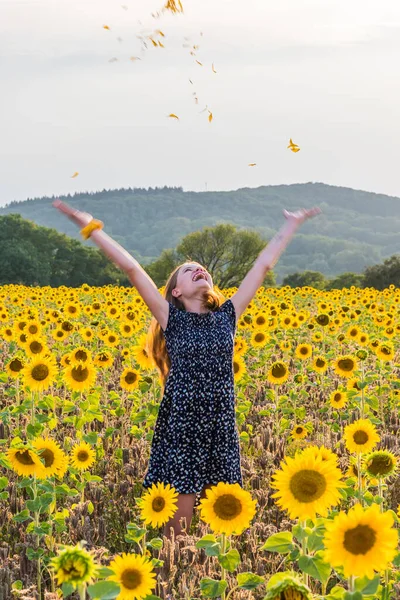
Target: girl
(195, 443)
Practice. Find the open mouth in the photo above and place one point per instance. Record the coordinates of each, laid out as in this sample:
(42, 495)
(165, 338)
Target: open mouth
(199, 276)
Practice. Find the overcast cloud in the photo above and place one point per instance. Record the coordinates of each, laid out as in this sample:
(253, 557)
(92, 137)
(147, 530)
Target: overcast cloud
(324, 72)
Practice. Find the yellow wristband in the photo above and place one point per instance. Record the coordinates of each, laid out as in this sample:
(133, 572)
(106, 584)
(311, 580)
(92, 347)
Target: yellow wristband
(90, 227)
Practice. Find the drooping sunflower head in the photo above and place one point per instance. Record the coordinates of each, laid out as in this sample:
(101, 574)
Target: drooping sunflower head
(158, 504)
(227, 508)
(322, 319)
(24, 461)
(74, 565)
(51, 455)
(361, 436)
(287, 586)
(381, 464)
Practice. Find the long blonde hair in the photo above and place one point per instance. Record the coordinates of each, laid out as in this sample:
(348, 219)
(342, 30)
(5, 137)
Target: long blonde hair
(156, 345)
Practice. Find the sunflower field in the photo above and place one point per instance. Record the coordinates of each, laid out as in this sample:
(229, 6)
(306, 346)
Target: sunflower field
(317, 382)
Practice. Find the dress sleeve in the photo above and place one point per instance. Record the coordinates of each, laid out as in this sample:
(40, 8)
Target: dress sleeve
(228, 308)
(173, 318)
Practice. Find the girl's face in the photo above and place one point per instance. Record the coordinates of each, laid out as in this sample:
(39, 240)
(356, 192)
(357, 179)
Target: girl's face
(192, 276)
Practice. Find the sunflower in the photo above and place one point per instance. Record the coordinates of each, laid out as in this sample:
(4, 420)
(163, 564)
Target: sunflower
(353, 333)
(285, 345)
(303, 351)
(381, 464)
(82, 456)
(86, 333)
(36, 346)
(361, 541)
(363, 338)
(285, 322)
(278, 373)
(51, 454)
(7, 333)
(103, 359)
(129, 379)
(33, 328)
(299, 432)
(80, 377)
(322, 451)
(307, 486)
(126, 329)
(345, 365)
(59, 335)
(141, 353)
(361, 436)
(80, 355)
(322, 319)
(40, 373)
(287, 586)
(338, 399)
(24, 461)
(258, 339)
(239, 368)
(74, 565)
(158, 504)
(320, 364)
(227, 508)
(15, 366)
(385, 351)
(134, 574)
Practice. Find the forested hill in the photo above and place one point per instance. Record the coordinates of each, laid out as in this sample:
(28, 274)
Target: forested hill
(356, 228)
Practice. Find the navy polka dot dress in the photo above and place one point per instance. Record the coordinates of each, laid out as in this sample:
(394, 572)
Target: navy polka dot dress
(195, 440)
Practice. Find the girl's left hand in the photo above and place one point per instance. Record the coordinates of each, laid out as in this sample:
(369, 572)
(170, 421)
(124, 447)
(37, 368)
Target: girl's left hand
(301, 215)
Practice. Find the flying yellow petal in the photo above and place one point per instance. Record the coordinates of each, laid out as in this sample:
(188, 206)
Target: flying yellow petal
(132, 58)
(293, 149)
(210, 116)
(161, 45)
(213, 68)
(75, 174)
(106, 27)
(252, 164)
(199, 63)
(291, 144)
(153, 42)
(160, 32)
(173, 116)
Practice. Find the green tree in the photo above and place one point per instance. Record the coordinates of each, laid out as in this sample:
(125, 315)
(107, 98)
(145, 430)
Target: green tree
(227, 253)
(383, 275)
(307, 278)
(345, 280)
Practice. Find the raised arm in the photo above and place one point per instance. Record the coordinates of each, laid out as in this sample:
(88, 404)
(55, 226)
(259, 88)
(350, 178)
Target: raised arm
(268, 258)
(146, 287)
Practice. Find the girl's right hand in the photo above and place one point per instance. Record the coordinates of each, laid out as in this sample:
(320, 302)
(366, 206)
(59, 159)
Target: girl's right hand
(77, 216)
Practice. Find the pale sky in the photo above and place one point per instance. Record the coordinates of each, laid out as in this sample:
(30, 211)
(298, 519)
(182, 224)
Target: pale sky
(323, 72)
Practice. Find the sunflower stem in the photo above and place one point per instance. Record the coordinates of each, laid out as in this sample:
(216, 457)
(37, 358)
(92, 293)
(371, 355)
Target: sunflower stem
(304, 548)
(144, 543)
(82, 592)
(232, 590)
(351, 583)
(359, 478)
(380, 492)
(362, 393)
(222, 569)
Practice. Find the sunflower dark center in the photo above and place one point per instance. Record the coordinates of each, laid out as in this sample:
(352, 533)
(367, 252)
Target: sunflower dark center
(158, 504)
(36, 347)
(79, 374)
(227, 507)
(307, 485)
(130, 377)
(322, 320)
(320, 362)
(40, 372)
(304, 350)
(16, 365)
(360, 437)
(48, 457)
(131, 578)
(360, 539)
(82, 455)
(24, 458)
(385, 350)
(278, 370)
(337, 397)
(346, 364)
(235, 367)
(32, 329)
(111, 339)
(299, 430)
(259, 337)
(81, 355)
